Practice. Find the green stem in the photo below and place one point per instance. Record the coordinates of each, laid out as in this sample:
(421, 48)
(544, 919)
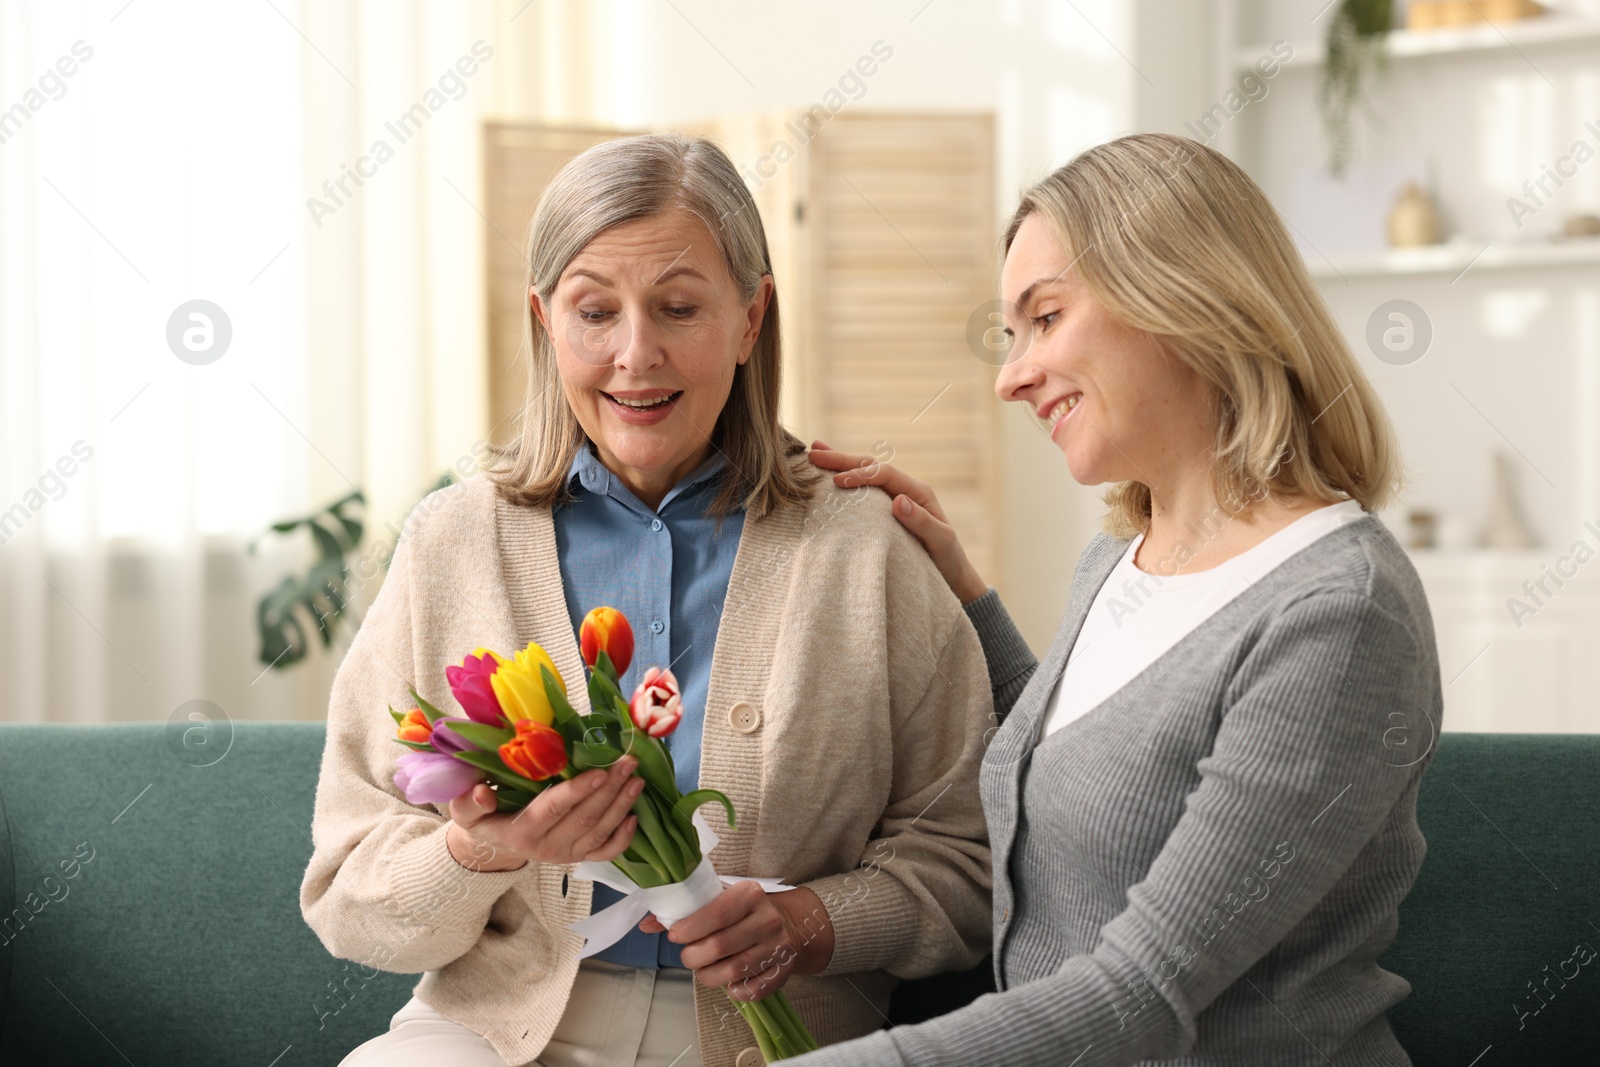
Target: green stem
(782, 1012)
(671, 820)
(651, 829)
(782, 1040)
(752, 1018)
(647, 855)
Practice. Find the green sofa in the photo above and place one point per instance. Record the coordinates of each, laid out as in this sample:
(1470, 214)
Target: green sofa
(149, 881)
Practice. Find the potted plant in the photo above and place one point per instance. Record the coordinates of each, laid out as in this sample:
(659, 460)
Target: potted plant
(1356, 54)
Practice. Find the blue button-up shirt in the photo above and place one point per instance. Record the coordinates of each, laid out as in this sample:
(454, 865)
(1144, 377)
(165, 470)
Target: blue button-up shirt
(667, 570)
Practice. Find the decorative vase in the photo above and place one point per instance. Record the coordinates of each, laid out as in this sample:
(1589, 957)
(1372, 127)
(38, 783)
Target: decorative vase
(1506, 527)
(1413, 222)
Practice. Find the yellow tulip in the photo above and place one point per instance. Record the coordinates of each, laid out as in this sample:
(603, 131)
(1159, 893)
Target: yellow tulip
(519, 687)
(532, 658)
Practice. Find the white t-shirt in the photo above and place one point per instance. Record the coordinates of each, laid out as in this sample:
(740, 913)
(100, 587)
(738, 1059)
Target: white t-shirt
(1138, 615)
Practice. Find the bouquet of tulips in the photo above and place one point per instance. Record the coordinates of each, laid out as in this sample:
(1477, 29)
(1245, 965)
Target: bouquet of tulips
(520, 735)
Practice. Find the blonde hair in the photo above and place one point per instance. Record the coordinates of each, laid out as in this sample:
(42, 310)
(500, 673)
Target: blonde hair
(1174, 239)
(617, 182)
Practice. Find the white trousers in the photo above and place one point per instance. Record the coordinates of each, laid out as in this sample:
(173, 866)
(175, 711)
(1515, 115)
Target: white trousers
(616, 1017)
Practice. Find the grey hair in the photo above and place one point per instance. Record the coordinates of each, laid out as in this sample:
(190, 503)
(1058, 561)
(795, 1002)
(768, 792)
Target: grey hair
(608, 185)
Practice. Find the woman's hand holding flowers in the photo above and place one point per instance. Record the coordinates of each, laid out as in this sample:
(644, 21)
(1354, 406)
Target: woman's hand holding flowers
(751, 942)
(585, 818)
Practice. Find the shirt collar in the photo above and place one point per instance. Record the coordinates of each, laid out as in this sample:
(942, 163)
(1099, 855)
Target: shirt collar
(595, 477)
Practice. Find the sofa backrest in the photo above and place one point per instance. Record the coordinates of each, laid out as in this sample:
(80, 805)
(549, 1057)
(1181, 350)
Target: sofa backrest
(153, 898)
(151, 878)
(1494, 936)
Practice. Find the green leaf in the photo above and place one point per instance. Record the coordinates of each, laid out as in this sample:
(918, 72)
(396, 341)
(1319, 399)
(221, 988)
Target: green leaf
(490, 763)
(587, 756)
(485, 737)
(353, 528)
(643, 875)
(652, 757)
(398, 716)
(690, 803)
(683, 833)
(603, 664)
(328, 546)
(661, 840)
(283, 638)
(431, 713)
(648, 857)
(603, 692)
(509, 798)
(420, 746)
(564, 712)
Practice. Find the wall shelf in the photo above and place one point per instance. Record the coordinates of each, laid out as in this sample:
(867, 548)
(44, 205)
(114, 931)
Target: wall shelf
(1454, 257)
(1539, 32)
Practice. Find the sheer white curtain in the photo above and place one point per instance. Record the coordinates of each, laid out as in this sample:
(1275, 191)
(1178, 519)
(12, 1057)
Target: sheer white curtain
(309, 171)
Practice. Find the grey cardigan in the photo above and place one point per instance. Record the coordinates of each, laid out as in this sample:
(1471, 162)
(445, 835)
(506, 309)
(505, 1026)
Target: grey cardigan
(1205, 867)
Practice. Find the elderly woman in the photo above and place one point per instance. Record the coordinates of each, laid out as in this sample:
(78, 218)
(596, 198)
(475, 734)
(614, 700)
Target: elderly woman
(833, 687)
(1202, 803)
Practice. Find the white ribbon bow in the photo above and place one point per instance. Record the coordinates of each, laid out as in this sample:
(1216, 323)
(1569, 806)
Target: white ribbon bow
(669, 903)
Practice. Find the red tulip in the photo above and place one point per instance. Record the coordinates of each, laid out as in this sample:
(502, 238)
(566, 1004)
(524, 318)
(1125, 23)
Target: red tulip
(415, 727)
(537, 752)
(606, 629)
(657, 704)
(473, 690)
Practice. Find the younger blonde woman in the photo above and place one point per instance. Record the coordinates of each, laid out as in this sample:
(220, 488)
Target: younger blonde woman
(1202, 803)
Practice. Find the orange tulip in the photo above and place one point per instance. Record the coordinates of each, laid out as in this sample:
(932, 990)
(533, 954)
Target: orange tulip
(606, 629)
(537, 752)
(415, 727)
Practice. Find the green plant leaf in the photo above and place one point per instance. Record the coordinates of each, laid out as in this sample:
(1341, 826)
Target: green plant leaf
(328, 546)
(603, 692)
(431, 713)
(491, 764)
(283, 638)
(654, 830)
(564, 712)
(420, 746)
(652, 757)
(510, 798)
(603, 664)
(489, 738)
(643, 874)
(353, 527)
(690, 803)
(587, 756)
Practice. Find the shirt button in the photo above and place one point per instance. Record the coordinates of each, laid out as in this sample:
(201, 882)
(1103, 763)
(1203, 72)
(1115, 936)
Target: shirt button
(750, 1057)
(655, 524)
(744, 717)
(657, 626)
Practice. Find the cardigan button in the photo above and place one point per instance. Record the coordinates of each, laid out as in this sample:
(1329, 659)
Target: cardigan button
(744, 717)
(750, 1057)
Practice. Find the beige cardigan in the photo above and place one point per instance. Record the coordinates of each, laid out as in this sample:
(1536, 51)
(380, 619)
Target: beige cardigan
(846, 717)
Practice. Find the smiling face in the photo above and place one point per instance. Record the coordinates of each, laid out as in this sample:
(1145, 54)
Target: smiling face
(648, 328)
(1118, 407)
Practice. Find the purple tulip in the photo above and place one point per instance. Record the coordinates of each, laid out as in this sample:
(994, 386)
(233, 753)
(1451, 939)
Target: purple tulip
(434, 777)
(447, 740)
(473, 691)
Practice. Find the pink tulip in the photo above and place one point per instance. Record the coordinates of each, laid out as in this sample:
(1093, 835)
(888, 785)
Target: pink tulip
(473, 691)
(657, 704)
(434, 777)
